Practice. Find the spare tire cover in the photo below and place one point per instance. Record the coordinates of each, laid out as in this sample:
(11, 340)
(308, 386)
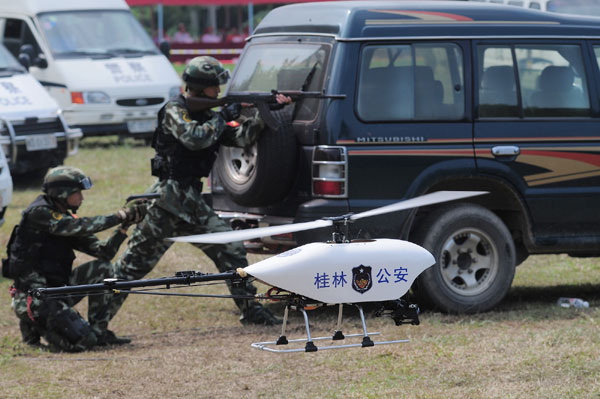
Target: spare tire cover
(260, 174)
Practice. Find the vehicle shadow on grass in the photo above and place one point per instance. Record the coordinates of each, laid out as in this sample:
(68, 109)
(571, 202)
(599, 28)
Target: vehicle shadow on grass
(519, 297)
(588, 292)
(33, 180)
(532, 303)
(28, 181)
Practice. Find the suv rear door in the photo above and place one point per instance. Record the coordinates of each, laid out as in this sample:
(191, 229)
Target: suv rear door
(537, 126)
(412, 116)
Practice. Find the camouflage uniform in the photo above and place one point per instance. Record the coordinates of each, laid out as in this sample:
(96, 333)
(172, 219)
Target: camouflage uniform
(41, 255)
(38, 317)
(192, 139)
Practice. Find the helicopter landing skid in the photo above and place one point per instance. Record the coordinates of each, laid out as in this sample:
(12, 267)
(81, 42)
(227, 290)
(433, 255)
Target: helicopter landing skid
(277, 346)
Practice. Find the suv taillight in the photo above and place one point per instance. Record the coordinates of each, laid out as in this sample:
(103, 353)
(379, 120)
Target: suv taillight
(330, 172)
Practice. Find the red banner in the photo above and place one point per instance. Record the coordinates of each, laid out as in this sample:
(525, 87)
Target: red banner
(223, 51)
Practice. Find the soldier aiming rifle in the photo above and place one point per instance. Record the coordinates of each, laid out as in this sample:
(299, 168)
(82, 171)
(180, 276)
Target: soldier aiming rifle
(186, 143)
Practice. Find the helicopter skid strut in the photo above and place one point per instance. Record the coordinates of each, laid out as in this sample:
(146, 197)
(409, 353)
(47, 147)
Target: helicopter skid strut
(274, 346)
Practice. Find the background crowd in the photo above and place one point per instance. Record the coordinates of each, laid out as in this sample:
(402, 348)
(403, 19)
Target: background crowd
(230, 35)
(197, 24)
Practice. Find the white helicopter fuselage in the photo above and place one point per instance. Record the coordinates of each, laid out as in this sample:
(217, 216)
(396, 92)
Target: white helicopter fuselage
(359, 271)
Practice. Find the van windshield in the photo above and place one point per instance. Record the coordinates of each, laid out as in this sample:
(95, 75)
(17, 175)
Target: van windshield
(81, 34)
(8, 64)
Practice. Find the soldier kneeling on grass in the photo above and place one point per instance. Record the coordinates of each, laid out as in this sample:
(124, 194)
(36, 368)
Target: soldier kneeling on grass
(40, 254)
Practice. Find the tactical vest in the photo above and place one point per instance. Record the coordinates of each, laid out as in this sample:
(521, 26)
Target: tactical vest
(50, 255)
(173, 160)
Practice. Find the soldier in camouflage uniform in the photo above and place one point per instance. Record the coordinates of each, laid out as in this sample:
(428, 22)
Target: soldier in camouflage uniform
(186, 143)
(41, 255)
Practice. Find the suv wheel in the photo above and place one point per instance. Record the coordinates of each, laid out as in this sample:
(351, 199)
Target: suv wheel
(475, 259)
(262, 173)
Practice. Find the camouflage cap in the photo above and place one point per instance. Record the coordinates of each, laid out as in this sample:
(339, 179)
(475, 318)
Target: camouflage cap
(62, 181)
(202, 72)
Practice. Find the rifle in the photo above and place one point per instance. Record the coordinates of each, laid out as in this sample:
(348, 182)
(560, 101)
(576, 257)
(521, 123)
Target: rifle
(148, 196)
(265, 102)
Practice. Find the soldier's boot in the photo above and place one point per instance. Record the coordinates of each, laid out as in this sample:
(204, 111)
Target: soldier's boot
(29, 333)
(60, 343)
(255, 313)
(110, 338)
(55, 348)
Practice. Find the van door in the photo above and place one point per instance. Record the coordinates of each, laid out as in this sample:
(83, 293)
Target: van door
(537, 126)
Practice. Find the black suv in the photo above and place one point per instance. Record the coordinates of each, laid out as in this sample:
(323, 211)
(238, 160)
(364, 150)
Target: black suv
(439, 96)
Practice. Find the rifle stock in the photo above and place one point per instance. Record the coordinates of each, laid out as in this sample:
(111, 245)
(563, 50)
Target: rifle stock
(197, 104)
(142, 196)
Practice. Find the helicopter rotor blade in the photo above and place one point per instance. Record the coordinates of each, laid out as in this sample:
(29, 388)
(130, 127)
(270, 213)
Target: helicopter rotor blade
(423, 200)
(241, 235)
(249, 234)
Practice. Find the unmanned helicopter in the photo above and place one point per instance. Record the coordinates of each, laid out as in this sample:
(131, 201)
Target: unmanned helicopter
(336, 272)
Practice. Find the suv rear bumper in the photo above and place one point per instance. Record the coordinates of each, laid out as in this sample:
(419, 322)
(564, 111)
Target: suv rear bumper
(308, 211)
(320, 208)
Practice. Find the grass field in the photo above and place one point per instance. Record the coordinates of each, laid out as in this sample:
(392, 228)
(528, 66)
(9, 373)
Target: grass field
(196, 348)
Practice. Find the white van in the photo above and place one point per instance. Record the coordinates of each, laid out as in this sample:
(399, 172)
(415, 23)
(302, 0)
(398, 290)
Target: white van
(6, 186)
(33, 133)
(95, 59)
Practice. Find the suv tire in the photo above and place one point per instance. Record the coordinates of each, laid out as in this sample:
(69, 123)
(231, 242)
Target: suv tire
(475, 259)
(262, 173)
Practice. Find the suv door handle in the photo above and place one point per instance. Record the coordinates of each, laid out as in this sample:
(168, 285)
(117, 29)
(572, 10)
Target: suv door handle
(506, 151)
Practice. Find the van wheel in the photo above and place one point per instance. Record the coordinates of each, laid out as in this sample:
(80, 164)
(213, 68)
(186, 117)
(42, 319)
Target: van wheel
(262, 173)
(475, 259)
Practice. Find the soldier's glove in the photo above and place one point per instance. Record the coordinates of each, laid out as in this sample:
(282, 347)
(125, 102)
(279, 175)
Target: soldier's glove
(139, 210)
(134, 213)
(231, 112)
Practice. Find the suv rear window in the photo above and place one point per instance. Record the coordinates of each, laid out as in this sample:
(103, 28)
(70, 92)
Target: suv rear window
(421, 81)
(286, 66)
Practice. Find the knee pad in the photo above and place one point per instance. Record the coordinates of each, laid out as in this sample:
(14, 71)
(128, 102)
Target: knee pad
(69, 324)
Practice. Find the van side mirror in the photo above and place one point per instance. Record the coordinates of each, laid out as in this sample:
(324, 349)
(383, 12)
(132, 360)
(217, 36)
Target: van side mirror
(27, 49)
(165, 48)
(38, 60)
(25, 60)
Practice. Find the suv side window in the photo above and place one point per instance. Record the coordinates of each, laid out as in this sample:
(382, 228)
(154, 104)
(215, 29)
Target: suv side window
(551, 81)
(497, 83)
(597, 54)
(411, 82)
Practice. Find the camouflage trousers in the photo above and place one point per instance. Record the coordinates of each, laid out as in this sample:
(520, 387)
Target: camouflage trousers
(147, 245)
(56, 320)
